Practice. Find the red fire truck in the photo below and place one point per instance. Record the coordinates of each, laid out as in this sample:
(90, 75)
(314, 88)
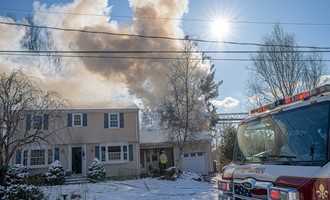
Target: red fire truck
(282, 151)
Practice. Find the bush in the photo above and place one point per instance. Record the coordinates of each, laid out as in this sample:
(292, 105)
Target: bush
(17, 174)
(55, 174)
(96, 170)
(21, 192)
(36, 179)
(170, 173)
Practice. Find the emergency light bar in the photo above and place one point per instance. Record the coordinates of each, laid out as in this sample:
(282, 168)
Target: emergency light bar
(298, 97)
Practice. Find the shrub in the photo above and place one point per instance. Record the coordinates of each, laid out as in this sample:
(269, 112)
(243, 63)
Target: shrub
(96, 170)
(17, 174)
(22, 191)
(170, 173)
(55, 174)
(36, 179)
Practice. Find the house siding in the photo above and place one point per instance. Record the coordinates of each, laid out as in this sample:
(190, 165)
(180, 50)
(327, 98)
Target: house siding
(96, 133)
(92, 133)
(115, 169)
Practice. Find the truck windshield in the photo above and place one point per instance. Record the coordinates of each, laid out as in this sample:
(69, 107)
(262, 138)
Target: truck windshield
(295, 137)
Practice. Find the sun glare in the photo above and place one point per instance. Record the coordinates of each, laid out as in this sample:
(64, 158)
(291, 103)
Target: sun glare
(220, 29)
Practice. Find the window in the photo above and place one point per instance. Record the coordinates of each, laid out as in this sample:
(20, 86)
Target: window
(25, 157)
(37, 157)
(37, 122)
(40, 156)
(77, 120)
(114, 120)
(50, 156)
(103, 154)
(114, 153)
(125, 152)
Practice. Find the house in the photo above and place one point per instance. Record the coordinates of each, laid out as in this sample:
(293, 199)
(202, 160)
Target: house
(108, 132)
(197, 156)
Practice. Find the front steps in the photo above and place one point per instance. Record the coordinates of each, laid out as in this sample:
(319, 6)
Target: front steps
(76, 179)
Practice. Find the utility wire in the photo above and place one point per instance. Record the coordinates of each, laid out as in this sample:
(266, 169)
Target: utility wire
(157, 52)
(155, 37)
(167, 18)
(151, 58)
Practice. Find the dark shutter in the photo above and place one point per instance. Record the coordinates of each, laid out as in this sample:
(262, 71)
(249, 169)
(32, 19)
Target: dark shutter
(18, 157)
(121, 118)
(106, 120)
(45, 122)
(69, 120)
(97, 152)
(130, 151)
(57, 154)
(28, 122)
(84, 119)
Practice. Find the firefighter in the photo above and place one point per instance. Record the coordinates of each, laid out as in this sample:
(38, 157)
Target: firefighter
(162, 162)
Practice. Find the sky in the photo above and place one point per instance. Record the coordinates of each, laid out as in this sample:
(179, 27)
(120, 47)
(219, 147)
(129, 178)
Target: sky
(246, 22)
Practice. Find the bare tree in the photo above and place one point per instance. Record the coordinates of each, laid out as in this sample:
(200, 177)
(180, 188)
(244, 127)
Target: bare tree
(27, 115)
(280, 69)
(41, 41)
(315, 67)
(184, 111)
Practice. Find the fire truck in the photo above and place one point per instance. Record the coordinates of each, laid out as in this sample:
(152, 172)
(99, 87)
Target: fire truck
(282, 151)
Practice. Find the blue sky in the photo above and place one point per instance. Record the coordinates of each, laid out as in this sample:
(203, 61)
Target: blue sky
(248, 20)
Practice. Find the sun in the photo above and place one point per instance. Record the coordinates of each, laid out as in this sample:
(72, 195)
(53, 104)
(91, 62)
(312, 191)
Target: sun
(220, 28)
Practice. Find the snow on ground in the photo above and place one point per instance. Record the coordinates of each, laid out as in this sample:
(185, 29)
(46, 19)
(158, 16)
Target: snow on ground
(183, 188)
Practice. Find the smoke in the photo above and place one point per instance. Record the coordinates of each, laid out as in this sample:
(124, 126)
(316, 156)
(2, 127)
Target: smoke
(90, 80)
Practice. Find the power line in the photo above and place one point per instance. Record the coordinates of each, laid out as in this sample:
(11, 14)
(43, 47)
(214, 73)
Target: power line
(156, 37)
(157, 52)
(150, 58)
(167, 18)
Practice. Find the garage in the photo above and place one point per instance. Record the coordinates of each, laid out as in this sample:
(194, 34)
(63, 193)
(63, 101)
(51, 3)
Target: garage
(194, 162)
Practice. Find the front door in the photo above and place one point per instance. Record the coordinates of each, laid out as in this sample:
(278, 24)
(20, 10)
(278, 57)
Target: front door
(77, 160)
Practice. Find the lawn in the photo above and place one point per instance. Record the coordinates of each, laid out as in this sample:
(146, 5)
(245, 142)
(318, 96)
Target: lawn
(182, 188)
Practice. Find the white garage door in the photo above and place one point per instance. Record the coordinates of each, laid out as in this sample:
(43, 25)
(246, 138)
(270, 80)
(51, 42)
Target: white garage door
(194, 162)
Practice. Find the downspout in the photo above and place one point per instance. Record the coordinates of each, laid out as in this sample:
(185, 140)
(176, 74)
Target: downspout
(137, 146)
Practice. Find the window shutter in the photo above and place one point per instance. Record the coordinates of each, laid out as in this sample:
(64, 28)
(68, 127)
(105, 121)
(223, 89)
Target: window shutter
(121, 118)
(69, 120)
(18, 156)
(130, 151)
(106, 120)
(28, 122)
(45, 122)
(97, 152)
(84, 119)
(57, 154)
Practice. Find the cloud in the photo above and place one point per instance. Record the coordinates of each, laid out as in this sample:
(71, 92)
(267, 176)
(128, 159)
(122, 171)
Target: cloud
(228, 102)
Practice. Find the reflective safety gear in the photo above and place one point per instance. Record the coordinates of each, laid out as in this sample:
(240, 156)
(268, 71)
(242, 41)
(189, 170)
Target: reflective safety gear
(163, 158)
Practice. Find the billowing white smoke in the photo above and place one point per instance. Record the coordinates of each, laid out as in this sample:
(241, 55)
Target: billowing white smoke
(90, 80)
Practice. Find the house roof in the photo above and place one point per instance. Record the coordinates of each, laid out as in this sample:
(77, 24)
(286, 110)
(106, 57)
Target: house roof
(103, 106)
(152, 136)
(158, 136)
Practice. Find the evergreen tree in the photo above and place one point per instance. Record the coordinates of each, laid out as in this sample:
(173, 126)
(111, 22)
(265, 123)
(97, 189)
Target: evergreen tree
(210, 91)
(96, 170)
(227, 144)
(55, 174)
